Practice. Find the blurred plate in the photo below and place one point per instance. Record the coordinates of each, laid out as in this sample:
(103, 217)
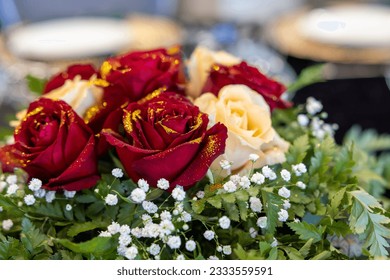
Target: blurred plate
(349, 25)
(70, 38)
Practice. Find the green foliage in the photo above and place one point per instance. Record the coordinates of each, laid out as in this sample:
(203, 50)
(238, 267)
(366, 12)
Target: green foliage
(36, 85)
(367, 217)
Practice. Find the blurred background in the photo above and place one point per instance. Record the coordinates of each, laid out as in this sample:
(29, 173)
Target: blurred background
(352, 39)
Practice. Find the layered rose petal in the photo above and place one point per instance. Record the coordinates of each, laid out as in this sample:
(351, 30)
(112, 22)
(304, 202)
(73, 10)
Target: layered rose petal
(250, 76)
(55, 145)
(167, 137)
(84, 71)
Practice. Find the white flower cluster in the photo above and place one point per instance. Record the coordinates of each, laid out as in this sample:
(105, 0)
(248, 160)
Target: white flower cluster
(315, 121)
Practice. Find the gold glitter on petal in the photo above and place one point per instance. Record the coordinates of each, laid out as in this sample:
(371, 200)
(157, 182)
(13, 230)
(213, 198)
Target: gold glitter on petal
(105, 69)
(152, 95)
(100, 83)
(130, 117)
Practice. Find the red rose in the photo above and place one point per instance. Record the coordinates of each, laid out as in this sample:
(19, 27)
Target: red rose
(167, 137)
(55, 145)
(242, 73)
(132, 76)
(85, 71)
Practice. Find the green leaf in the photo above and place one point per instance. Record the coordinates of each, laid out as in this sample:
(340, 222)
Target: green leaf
(96, 246)
(242, 195)
(336, 199)
(366, 218)
(229, 197)
(232, 211)
(324, 255)
(36, 85)
(292, 253)
(86, 198)
(272, 204)
(95, 208)
(243, 209)
(307, 231)
(198, 206)
(298, 150)
(305, 249)
(126, 214)
(308, 76)
(32, 239)
(215, 201)
(323, 155)
(11, 249)
(75, 229)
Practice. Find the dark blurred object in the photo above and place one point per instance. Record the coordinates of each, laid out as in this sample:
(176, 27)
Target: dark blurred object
(349, 101)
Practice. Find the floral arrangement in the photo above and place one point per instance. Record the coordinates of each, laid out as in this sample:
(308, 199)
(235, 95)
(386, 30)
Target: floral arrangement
(155, 157)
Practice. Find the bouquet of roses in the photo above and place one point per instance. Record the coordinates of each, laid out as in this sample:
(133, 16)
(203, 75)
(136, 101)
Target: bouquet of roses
(153, 157)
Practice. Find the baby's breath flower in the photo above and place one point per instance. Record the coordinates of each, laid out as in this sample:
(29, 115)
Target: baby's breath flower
(209, 234)
(219, 248)
(178, 193)
(258, 178)
(224, 222)
(11, 179)
(229, 187)
(255, 204)
(174, 242)
(117, 173)
(154, 249)
(125, 229)
(253, 232)
(225, 164)
(166, 227)
(213, 258)
(262, 222)
(105, 234)
(268, 173)
(40, 193)
(274, 243)
(143, 184)
(200, 194)
(136, 232)
(296, 220)
(235, 179)
(35, 184)
(12, 189)
(286, 176)
(286, 204)
(111, 199)
(146, 219)
(69, 194)
(165, 215)
(284, 192)
(254, 157)
(7, 224)
(163, 184)
(186, 217)
(29, 199)
(180, 257)
(190, 245)
(138, 195)
(313, 106)
(121, 250)
(299, 169)
(149, 207)
(282, 215)
(1, 209)
(301, 185)
(185, 227)
(124, 240)
(227, 249)
(303, 120)
(50, 196)
(131, 253)
(114, 228)
(68, 207)
(244, 182)
(151, 230)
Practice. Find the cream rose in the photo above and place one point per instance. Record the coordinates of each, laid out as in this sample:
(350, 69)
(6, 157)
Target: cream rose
(248, 120)
(79, 94)
(199, 66)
